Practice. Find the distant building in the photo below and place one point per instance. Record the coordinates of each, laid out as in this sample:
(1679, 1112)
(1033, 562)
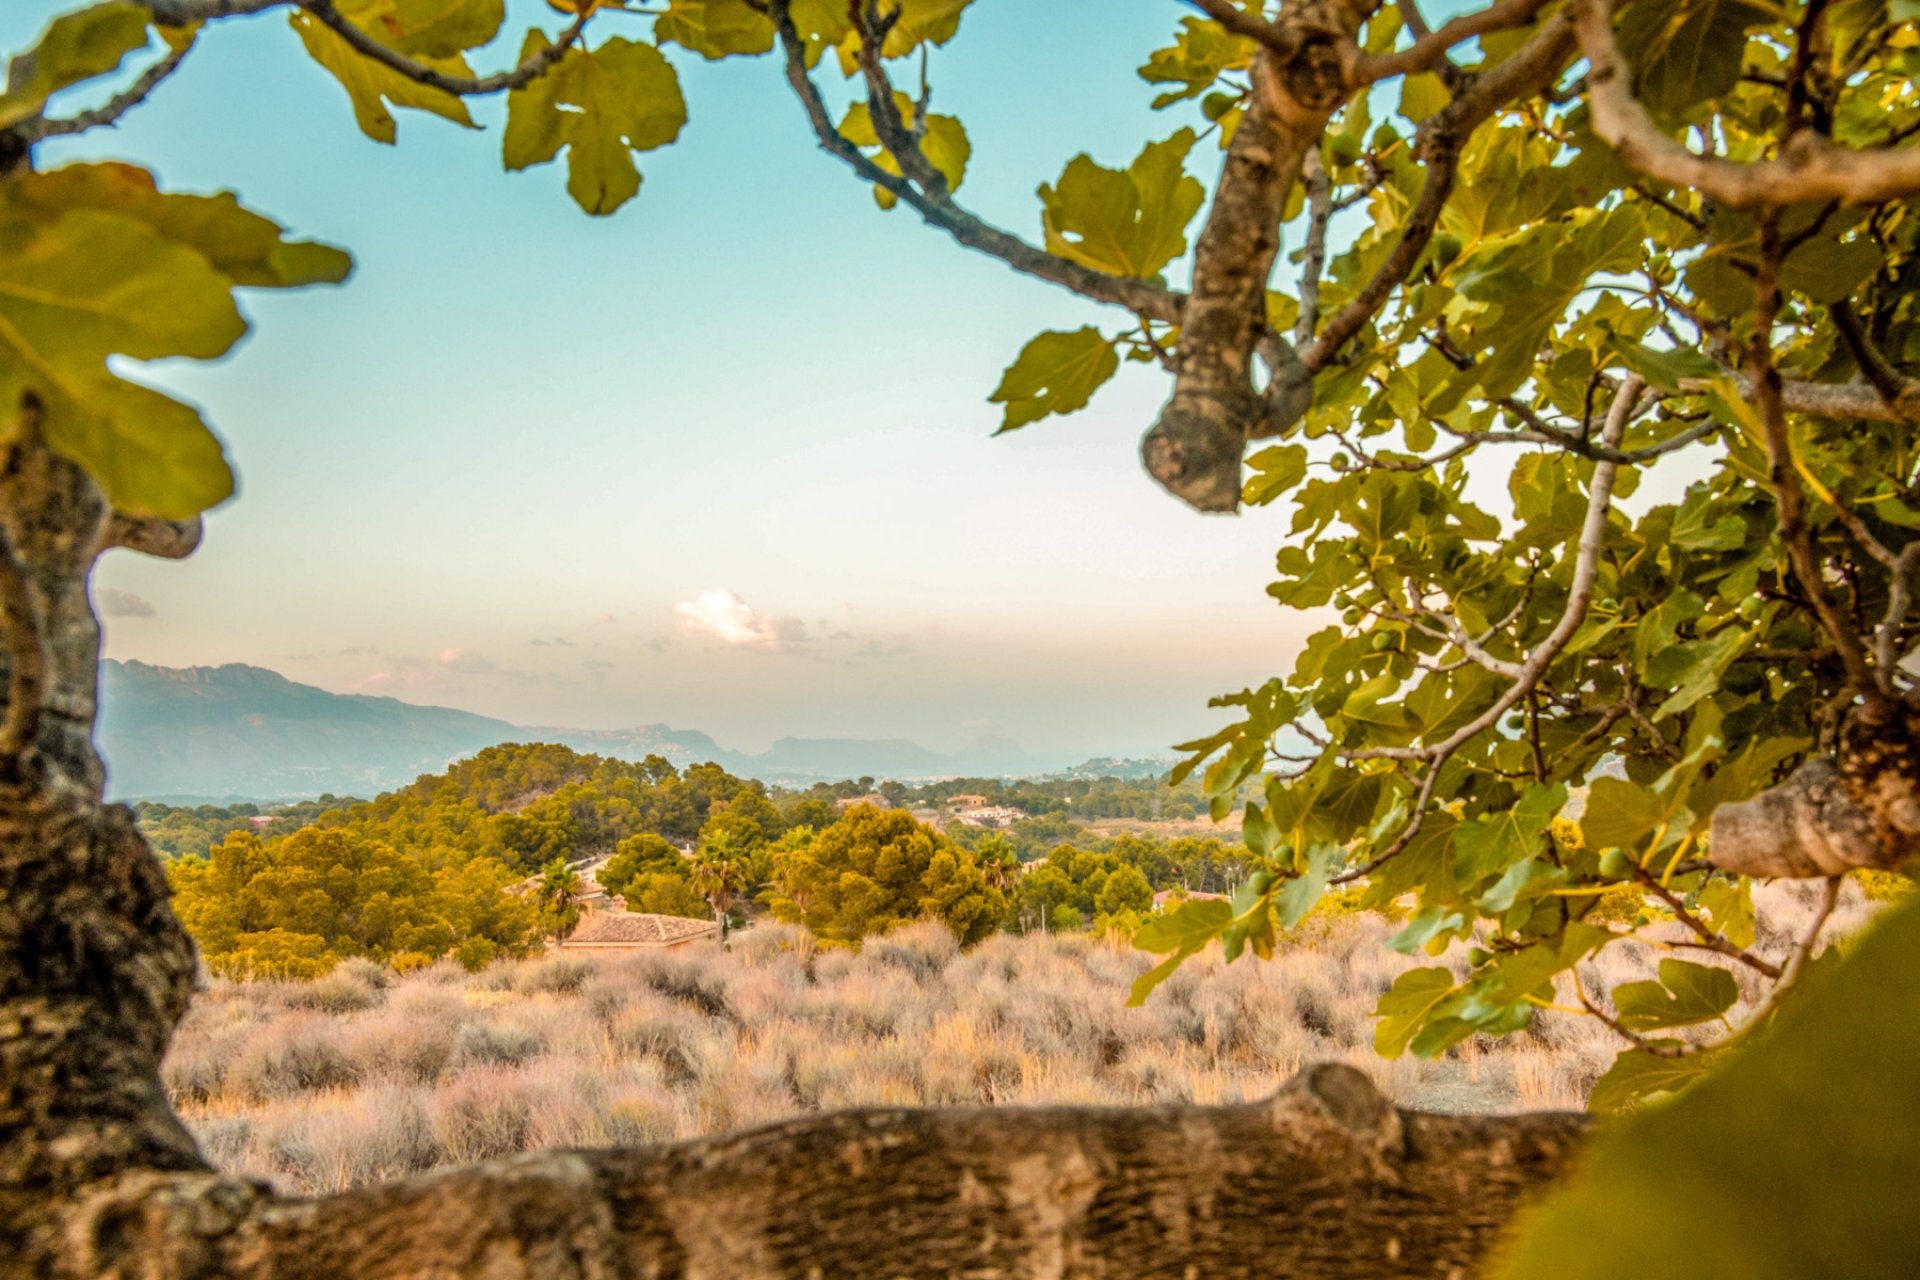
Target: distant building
(260, 820)
(875, 799)
(636, 931)
(957, 803)
(990, 816)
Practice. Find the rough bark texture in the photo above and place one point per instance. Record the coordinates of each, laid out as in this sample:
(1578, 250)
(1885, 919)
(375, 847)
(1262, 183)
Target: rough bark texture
(94, 968)
(1828, 818)
(1324, 1180)
(1196, 446)
(98, 1178)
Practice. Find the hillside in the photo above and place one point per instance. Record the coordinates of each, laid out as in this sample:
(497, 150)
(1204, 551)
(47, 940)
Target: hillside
(245, 731)
(242, 732)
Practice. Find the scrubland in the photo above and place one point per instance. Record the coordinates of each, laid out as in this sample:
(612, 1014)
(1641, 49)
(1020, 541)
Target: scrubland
(365, 1074)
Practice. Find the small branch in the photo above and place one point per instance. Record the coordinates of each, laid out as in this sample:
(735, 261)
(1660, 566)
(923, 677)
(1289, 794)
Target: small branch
(1807, 168)
(1593, 537)
(1529, 71)
(150, 535)
(1421, 799)
(1886, 656)
(110, 112)
(1894, 387)
(1313, 174)
(896, 136)
(1709, 940)
(1784, 478)
(1138, 296)
(1241, 23)
(1416, 229)
(1429, 49)
(1572, 443)
(527, 72)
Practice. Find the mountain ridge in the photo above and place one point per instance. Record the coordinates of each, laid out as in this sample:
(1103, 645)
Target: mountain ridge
(237, 731)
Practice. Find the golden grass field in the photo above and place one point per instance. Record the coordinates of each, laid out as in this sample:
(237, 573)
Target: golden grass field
(365, 1074)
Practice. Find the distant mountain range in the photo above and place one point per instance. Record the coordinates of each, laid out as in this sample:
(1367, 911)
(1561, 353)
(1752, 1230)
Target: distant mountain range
(240, 732)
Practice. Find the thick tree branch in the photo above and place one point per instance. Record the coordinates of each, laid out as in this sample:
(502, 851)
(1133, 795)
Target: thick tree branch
(1194, 450)
(1141, 297)
(1842, 401)
(1323, 1175)
(1807, 167)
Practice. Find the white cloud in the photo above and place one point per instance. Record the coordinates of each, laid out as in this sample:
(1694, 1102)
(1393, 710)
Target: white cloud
(114, 603)
(462, 659)
(721, 615)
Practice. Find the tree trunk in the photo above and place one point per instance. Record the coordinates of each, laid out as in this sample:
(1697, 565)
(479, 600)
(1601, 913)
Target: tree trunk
(98, 1178)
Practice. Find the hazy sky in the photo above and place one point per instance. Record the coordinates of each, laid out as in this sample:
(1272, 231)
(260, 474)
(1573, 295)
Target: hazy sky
(721, 460)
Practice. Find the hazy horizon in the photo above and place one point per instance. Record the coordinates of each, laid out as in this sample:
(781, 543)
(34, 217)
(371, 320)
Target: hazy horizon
(720, 461)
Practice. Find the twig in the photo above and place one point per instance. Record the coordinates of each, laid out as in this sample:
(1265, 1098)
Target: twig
(1783, 476)
(534, 66)
(1892, 385)
(110, 112)
(1431, 48)
(1138, 296)
(1593, 537)
(1241, 23)
(1709, 940)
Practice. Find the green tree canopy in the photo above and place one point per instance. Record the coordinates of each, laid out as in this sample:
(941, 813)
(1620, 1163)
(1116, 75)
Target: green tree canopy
(875, 869)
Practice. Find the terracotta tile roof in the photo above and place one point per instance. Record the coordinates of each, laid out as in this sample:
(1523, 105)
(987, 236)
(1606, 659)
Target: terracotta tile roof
(634, 928)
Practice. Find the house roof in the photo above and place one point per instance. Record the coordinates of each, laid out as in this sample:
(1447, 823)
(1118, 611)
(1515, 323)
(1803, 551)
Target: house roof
(638, 928)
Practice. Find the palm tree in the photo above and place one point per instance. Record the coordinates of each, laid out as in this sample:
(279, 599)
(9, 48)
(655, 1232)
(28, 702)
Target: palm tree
(559, 883)
(718, 874)
(999, 864)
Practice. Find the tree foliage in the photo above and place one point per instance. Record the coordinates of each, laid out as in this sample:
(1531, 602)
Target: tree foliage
(875, 869)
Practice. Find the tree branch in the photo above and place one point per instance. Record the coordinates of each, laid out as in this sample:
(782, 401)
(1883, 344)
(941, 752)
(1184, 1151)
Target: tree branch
(1532, 69)
(1195, 448)
(110, 111)
(1241, 23)
(1586, 568)
(1894, 387)
(1141, 297)
(1427, 50)
(1784, 478)
(1843, 401)
(150, 535)
(1319, 212)
(1807, 167)
(1325, 1172)
(535, 65)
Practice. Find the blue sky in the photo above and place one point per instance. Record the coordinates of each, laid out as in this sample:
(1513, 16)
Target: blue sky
(721, 460)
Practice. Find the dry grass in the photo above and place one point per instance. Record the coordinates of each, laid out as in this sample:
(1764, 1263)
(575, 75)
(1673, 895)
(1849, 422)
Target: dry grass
(367, 1075)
